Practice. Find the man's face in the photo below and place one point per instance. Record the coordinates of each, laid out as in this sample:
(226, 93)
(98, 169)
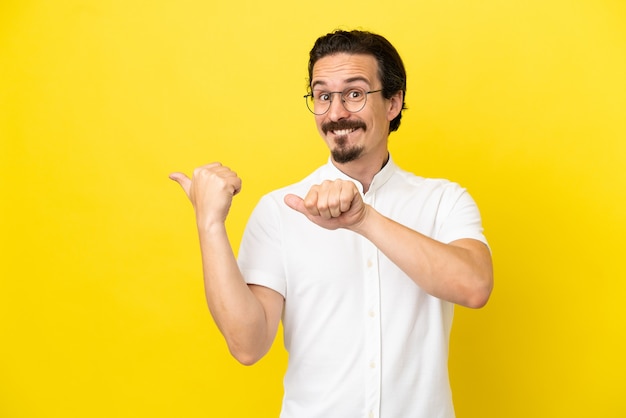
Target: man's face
(352, 136)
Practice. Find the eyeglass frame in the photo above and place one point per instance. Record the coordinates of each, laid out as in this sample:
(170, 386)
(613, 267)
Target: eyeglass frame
(343, 101)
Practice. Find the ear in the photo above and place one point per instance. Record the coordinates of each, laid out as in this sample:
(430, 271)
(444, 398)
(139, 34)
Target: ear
(395, 105)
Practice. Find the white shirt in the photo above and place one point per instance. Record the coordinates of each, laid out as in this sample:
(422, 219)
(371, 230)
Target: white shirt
(363, 339)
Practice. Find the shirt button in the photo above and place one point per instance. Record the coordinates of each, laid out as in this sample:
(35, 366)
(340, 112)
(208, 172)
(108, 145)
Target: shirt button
(372, 365)
(369, 263)
(372, 314)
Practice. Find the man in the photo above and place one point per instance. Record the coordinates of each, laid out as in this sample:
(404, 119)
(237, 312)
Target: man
(361, 260)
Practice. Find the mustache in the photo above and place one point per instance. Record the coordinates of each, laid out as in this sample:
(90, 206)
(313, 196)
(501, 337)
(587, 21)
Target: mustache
(342, 124)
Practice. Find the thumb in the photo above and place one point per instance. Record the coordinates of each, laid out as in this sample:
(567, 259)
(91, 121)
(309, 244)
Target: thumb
(295, 203)
(183, 180)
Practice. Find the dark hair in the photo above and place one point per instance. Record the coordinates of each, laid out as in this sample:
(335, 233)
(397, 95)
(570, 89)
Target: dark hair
(390, 67)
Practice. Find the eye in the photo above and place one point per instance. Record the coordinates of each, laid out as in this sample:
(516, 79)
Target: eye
(321, 96)
(354, 94)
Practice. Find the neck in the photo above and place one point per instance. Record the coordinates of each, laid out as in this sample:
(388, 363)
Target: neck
(363, 171)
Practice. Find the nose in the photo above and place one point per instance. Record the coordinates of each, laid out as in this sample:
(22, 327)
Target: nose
(337, 111)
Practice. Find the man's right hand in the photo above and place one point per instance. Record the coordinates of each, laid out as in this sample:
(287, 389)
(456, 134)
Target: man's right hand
(210, 190)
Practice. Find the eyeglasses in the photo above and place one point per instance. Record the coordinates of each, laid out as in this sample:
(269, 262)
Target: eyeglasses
(353, 100)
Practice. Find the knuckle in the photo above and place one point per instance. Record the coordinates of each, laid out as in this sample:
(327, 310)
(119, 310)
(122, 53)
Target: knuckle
(333, 201)
(310, 204)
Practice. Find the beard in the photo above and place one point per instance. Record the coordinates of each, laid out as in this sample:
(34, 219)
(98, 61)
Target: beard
(342, 153)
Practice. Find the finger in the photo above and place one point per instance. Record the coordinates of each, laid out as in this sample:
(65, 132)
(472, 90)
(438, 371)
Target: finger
(322, 199)
(208, 169)
(311, 202)
(183, 180)
(324, 207)
(296, 203)
(336, 197)
(341, 196)
(219, 174)
(230, 177)
(347, 197)
(236, 185)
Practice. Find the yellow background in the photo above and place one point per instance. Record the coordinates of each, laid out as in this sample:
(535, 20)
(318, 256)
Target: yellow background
(102, 312)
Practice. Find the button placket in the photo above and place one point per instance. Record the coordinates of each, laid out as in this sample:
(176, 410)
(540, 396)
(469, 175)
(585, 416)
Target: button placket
(373, 326)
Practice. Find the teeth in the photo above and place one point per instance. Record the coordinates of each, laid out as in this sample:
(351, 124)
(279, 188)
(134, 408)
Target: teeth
(343, 132)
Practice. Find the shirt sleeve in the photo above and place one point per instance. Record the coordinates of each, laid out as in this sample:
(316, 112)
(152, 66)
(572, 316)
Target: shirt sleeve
(459, 216)
(260, 255)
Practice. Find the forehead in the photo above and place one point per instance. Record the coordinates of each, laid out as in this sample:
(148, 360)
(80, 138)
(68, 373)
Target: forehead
(341, 69)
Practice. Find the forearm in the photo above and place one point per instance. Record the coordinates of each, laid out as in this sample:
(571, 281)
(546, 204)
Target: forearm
(247, 317)
(238, 313)
(459, 272)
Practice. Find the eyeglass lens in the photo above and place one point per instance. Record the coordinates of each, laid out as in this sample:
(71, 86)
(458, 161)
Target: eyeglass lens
(352, 99)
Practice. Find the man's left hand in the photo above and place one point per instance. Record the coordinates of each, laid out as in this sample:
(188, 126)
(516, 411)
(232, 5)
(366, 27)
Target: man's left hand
(331, 205)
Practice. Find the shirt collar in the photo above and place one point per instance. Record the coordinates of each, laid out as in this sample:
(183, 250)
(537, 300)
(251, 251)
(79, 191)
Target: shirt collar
(377, 182)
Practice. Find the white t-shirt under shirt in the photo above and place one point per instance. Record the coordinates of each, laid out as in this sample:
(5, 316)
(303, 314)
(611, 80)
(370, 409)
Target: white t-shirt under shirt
(363, 339)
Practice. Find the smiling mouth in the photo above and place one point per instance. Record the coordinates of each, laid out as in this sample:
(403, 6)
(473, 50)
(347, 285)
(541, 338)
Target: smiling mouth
(343, 132)
(343, 127)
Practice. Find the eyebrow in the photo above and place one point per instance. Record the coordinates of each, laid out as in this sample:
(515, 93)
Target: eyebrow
(348, 80)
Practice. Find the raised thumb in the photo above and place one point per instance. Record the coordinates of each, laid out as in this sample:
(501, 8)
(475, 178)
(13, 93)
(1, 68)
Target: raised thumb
(183, 180)
(295, 203)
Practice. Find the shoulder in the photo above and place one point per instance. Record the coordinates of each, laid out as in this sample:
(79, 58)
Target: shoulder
(424, 185)
(272, 203)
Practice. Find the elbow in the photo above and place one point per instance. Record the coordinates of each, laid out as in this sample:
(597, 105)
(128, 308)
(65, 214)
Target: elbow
(245, 356)
(477, 300)
(479, 295)
(246, 360)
